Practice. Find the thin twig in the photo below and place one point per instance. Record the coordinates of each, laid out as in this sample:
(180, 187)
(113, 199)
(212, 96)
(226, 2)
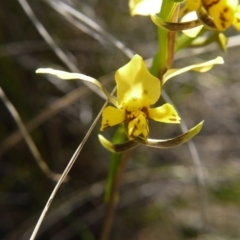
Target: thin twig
(31, 145)
(63, 7)
(66, 171)
(47, 113)
(49, 40)
(77, 198)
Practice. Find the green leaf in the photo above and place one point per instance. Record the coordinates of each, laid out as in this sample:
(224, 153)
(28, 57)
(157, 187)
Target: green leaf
(115, 158)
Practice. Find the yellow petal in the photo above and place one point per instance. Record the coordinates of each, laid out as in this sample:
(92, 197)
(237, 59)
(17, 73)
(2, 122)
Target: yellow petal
(138, 126)
(144, 7)
(70, 76)
(193, 32)
(190, 6)
(222, 12)
(166, 113)
(236, 20)
(200, 67)
(135, 82)
(155, 143)
(222, 41)
(112, 116)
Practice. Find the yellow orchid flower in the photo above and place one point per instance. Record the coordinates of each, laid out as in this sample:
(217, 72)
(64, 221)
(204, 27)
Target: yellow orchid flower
(137, 90)
(152, 7)
(223, 13)
(213, 14)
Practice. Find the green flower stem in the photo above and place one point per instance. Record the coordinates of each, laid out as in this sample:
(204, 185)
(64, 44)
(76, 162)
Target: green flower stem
(115, 159)
(113, 196)
(163, 59)
(183, 41)
(200, 41)
(162, 62)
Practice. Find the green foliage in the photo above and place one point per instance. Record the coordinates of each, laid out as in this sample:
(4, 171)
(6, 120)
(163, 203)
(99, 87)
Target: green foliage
(227, 192)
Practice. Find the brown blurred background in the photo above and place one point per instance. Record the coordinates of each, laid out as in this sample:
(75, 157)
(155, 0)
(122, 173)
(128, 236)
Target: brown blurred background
(162, 196)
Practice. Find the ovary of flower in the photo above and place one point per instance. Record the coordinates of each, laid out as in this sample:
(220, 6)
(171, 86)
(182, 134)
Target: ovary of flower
(224, 13)
(137, 90)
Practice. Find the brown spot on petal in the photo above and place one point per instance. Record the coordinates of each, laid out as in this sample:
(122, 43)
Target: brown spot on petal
(145, 91)
(173, 119)
(105, 126)
(225, 9)
(210, 4)
(222, 17)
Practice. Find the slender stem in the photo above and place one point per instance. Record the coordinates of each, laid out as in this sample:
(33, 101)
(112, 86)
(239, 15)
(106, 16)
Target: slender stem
(30, 143)
(162, 61)
(163, 58)
(113, 198)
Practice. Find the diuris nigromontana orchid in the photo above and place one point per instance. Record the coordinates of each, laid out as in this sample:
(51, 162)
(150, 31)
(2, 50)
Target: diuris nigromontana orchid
(216, 15)
(223, 13)
(137, 90)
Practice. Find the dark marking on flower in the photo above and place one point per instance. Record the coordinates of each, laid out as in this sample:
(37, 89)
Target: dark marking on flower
(185, 11)
(174, 142)
(106, 125)
(145, 92)
(173, 119)
(166, 144)
(207, 6)
(125, 146)
(222, 17)
(225, 9)
(145, 111)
